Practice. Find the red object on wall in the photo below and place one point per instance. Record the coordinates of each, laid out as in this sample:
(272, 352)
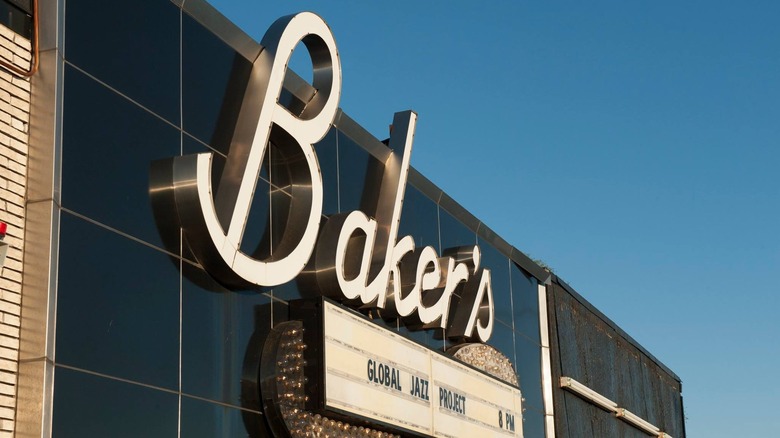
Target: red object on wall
(3, 229)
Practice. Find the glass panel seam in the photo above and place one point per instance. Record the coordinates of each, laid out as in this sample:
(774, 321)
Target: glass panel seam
(122, 233)
(84, 72)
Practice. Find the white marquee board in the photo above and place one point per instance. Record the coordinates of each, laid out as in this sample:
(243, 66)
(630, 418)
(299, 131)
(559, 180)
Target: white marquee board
(380, 375)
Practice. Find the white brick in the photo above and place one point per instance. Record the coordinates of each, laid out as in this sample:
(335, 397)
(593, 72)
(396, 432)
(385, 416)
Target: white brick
(11, 193)
(9, 353)
(11, 296)
(11, 320)
(22, 104)
(17, 188)
(8, 365)
(15, 130)
(6, 428)
(19, 146)
(15, 265)
(22, 83)
(18, 124)
(6, 107)
(9, 174)
(10, 331)
(22, 52)
(13, 276)
(14, 167)
(11, 239)
(7, 34)
(13, 155)
(8, 378)
(17, 91)
(20, 62)
(8, 342)
(14, 211)
(22, 41)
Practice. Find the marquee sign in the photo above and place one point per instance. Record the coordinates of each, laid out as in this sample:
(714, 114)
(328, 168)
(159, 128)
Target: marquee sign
(377, 374)
(356, 257)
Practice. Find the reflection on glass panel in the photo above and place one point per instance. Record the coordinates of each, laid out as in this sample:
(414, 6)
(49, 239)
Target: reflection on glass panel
(256, 241)
(529, 370)
(354, 165)
(453, 233)
(525, 300)
(498, 264)
(533, 423)
(217, 335)
(419, 219)
(132, 48)
(327, 156)
(214, 78)
(503, 339)
(292, 290)
(86, 405)
(424, 337)
(108, 145)
(117, 306)
(201, 419)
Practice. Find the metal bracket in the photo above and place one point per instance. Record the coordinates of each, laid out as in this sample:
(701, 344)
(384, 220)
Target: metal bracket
(3, 253)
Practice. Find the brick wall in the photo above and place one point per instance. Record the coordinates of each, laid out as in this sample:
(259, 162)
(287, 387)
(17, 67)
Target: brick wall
(14, 123)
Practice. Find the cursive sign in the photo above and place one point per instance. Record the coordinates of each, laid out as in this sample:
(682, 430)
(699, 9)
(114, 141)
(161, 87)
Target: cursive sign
(356, 257)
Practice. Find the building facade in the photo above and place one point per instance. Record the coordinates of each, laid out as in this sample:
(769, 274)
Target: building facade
(157, 284)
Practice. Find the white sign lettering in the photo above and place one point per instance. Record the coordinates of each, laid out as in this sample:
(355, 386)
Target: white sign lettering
(358, 257)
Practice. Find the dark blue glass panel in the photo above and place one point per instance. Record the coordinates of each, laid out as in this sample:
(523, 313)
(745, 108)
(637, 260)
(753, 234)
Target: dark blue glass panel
(131, 46)
(533, 424)
(424, 337)
(420, 219)
(453, 233)
(503, 340)
(108, 146)
(86, 405)
(327, 156)
(214, 78)
(355, 165)
(498, 264)
(217, 335)
(201, 419)
(257, 238)
(117, 305)
(529, 371)
(525, 302)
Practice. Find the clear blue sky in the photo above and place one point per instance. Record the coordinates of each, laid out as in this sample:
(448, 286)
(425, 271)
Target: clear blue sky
(632, 145)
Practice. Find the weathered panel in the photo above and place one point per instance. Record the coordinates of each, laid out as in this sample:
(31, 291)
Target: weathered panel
(588, 347)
